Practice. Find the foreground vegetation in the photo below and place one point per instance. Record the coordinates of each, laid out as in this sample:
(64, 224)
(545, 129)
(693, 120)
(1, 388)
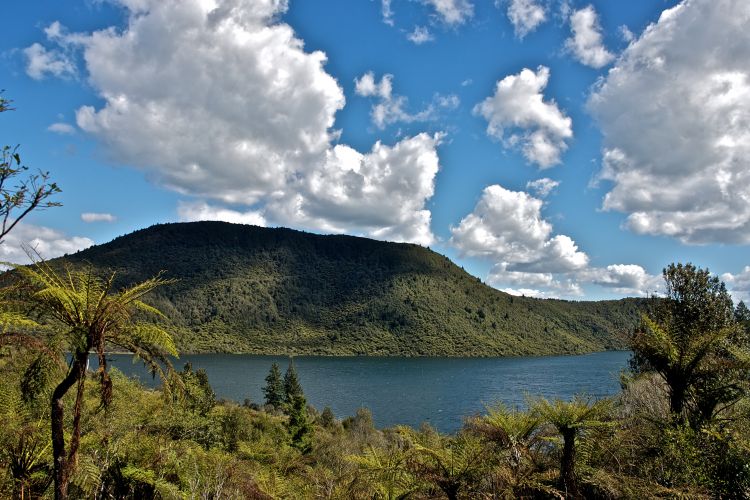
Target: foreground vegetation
(679, 428)
(246, 289)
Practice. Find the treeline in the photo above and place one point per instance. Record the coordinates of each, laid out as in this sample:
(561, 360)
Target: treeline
(278, 291)
(680, 428)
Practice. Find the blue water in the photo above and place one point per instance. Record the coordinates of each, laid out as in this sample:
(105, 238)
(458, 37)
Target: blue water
(441, 391)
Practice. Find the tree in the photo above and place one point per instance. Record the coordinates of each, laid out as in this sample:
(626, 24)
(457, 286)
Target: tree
(571, 418)
(81, 313)
(742, 317)
(292, 387)
(691, 342)
(20, 193)
(274, 389)
(198, 393)
(327, 418)
(299, 426)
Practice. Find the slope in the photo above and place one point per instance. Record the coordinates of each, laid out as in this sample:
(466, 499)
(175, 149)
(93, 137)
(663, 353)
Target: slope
(259, 290)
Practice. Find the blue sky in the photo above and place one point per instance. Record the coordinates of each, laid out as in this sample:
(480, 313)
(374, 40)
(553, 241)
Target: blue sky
(553, 148)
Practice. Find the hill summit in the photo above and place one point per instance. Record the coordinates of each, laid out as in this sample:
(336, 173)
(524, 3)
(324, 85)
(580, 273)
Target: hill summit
(248, 289)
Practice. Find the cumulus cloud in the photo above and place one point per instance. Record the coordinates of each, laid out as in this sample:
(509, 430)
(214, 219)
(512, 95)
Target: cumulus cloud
(255, 109)
(630, 279)
(586, 43)
(518, 115)
(62, 128)
(626, 34)
(542, 187)
(507, 226)
(48, 243)
(381, 194)
(252, 127)
(526, 16)
(41, 62)
(738, 285)
(391, 108)
(420, 35)
(675, 115)
(200, 210)
(97, 217)
(539, 285)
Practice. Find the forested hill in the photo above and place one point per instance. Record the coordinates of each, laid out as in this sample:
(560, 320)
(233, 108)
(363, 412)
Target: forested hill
(276, 291)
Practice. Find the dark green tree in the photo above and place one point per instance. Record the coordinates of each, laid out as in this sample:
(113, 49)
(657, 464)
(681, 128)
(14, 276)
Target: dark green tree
(292, 387)
(299, 426)
(274, 389)
(327, 418)
(690, 340)
(742, 316)
(198, 393)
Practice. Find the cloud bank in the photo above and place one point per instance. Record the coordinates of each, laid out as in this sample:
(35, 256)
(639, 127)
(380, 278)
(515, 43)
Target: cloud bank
(675, 115)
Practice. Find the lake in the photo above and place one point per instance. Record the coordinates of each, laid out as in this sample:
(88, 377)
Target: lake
(440, 391)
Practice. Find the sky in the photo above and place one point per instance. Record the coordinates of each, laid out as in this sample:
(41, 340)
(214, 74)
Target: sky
(553, 148)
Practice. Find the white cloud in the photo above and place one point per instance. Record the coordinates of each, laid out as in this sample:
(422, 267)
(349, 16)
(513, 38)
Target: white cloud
(420, 35)
(198, 211)
(62, 128)
(255, 109)
(586, 43)
(507, 226)
(675, 115)
(738, 285)
(452, 12)
(526, 16)
(626, 34)
(542, 187)
(540, 285)
(380, 194)
(630, 279)
(389, 108)
(97, 217)
(387, 12)
(518, 114)
(366, 86)
(48, 243)
(451, 101)
(41, 62)
(253, 125)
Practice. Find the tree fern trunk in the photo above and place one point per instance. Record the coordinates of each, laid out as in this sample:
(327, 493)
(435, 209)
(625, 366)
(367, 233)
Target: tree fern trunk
(62, 464)
(567, 465)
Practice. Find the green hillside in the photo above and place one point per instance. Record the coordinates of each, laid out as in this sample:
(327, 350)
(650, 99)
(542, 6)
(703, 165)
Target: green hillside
(276, 291)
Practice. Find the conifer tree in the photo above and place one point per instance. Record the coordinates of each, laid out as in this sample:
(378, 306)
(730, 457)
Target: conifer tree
(300, 427)
(274, 389)
(292, 387)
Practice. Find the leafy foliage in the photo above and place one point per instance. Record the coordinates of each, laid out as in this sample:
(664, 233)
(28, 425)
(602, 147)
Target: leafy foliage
(273, 391)
(694, 343)
(145, 445)
(79, 311)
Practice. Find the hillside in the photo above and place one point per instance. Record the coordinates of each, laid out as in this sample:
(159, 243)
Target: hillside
(258, 290)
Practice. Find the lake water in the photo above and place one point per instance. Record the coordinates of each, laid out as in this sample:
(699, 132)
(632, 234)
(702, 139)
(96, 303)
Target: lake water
(409, 391)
